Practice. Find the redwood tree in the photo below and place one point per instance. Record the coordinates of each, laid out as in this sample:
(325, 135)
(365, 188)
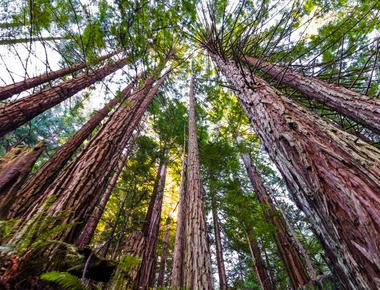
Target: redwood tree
(293, 263)
(15, 167)
(197, 254)
(362, 109)
(85, 237)
(10, 90)
(151, 229)
(262, 272)
(218, 245)
(333, 176)
(164, 254)
(21, 111)
(37, 184)
(77, 188)
(177, 278)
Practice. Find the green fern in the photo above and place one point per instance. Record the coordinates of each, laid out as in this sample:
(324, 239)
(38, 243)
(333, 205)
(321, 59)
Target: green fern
(65, 280)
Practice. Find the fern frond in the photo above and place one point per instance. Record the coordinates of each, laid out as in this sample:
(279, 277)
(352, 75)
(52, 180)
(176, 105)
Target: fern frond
(65, 280)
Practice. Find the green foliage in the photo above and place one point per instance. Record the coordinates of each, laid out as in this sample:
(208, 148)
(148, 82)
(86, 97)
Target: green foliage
(128, 263)
(64, 280)
(38, 232)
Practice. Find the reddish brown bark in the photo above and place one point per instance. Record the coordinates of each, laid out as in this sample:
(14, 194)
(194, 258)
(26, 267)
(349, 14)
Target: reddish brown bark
(164, 255)
(218, 246)
(360, 108)
(78, 187)
(293, 263)
(15, 167)
(10, 90)
(134, 247)
(88, 231)
(21, 111)
(179, 245)
(197, 254)
(262, 274)
(151, 229)
(333, 176)
(38, 183)
(301, 250)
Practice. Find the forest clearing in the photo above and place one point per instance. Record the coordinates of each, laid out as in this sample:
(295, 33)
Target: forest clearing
(185, 144)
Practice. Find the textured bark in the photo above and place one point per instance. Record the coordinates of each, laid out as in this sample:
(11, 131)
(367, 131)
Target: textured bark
(180, 234)
(301, 250)
(151, 229)
(38, 183)
(293, 263)
(333, 176)
(262, 274)
(360, 108)
(10, 90)
(134, 246)
(88, 232)
(77, 188)
(21, 111)
(164, 255)
(197, 254)
(15, 167)
(219, 247)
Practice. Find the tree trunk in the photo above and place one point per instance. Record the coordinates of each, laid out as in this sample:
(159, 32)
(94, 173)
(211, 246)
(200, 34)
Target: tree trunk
(134, 247)
(293, 263)
(164, 255)
(269, 268)
(301, 250)
(38, 183)
(262, 274)
(15, 167)
(77, 188)
(218, 246)
(88, 232)
(197, 254)
(333, 176)
(177, 279)
(151, 229)
(360, 108)
(10, 90)
(131, 115)
(21, 111)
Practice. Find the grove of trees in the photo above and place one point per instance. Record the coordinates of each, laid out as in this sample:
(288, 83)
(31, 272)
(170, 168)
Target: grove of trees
(189, 144)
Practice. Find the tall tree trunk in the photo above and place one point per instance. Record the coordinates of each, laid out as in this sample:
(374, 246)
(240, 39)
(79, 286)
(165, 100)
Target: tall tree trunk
(293, 263)
(151, 229)
(360, 108)
(77, 188)
(15, 167)
(262, 274)
(218, 245)
(197, 254)
(134, 247)
(21, 111)
(297, 243)
(269, 268)
(85, 237)
(333, 176)
(164, 255)
(10, 90)
(177, 279)
(38, 183)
